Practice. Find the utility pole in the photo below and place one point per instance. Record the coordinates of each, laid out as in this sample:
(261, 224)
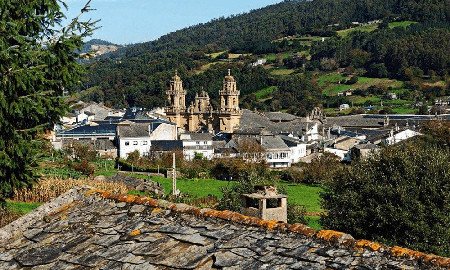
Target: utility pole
(174, 177)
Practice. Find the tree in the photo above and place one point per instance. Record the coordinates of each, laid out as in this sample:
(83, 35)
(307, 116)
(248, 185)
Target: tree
(400, 196)
(38, 60)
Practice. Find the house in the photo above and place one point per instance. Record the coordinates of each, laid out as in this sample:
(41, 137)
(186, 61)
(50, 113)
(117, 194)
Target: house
(162, 147)
(343, 107)
(69, 119)
(391, 95)
(278, 154)
(197, 144)
(133, 137)
(97, 111)
(85, 228)
(259, 62)
(363, 151)
(296, 146)
(398, 136)
(85, 117)
(341, 147)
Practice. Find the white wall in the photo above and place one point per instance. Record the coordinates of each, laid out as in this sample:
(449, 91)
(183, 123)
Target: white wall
(204, 147)
(342, 154)
(401, 136)
(278, 159)
(164, 132)
(129, 145)
(297, 152)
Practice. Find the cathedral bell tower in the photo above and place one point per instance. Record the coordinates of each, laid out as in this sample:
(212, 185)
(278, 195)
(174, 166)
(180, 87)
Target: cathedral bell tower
(229, 111)
(176, 96)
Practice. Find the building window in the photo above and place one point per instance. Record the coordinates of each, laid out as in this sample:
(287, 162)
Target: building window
(205, 142)
(127, 143)
(135, 142)
(197, 142)
(144, 143)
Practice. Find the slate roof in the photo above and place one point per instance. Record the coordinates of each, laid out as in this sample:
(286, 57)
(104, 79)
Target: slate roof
(103, 129)
(134, 130)
(280, 116)
(92, 229)
(167, 145)
(273, 143)
(197, 136)
(254, 123)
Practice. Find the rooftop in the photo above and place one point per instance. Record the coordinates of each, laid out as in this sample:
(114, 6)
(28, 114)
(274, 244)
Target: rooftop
(85, 228)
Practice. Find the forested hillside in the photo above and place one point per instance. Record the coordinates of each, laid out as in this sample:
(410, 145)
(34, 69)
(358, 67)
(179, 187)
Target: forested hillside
(302, 39)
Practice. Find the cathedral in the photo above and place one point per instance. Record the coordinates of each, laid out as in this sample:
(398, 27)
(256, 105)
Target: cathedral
(200, 115)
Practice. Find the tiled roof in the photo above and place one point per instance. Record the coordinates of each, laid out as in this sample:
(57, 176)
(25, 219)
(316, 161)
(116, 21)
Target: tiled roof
(167, 145)
(100, 129)
(197, 136)
(133, 130)
(280, 116)
(92, 229)
(273, 143)
(254, 123)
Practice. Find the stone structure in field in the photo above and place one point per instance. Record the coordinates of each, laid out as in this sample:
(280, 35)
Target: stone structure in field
(266, 203)
(200, 115)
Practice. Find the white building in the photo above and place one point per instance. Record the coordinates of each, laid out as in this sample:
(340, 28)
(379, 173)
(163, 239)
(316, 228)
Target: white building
(197, 144)
(278, 154)
(296, 146)
(401, 136)
(344, 107)
(138, 136)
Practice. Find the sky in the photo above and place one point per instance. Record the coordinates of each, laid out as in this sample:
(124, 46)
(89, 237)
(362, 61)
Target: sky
(133, 21)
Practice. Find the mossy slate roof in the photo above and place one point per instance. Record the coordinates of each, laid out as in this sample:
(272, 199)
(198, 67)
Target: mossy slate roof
(86, 229)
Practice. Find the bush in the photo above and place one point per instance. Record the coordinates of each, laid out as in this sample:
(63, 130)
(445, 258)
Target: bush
(321, 169)
(296, 214)
(400, 196)
(84, 167)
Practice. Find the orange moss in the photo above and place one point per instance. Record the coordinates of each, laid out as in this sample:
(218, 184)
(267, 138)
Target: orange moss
(301, 229)
(135, 232)
(329, 235)
(368, 244)
(326, 235)
(428, 258)
(156, 211)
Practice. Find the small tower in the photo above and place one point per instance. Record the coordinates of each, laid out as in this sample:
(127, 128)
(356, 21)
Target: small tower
(229, 112)
(176, 96)
(266, 204)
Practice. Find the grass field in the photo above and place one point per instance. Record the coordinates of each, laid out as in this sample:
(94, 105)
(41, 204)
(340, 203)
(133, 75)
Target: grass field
(265, 92)
(21, 207)
(281, 71)
(330, 85)
(299, 194)
(273, 56)
(401, 24)
(362, 28)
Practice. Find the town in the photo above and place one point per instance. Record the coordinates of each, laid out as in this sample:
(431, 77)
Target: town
(277, 138)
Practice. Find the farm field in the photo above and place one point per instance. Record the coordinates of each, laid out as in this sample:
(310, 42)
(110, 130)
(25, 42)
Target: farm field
(265, 92)
(299, 194)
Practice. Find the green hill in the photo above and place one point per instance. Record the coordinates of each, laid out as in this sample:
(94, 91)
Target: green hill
(295, 37)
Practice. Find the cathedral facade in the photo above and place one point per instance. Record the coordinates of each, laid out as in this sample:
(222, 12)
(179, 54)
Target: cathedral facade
(200, 115)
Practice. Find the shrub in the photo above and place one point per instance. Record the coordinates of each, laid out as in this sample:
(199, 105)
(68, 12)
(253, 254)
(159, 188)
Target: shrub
(296, 214)
(399, 196)
(84, 167)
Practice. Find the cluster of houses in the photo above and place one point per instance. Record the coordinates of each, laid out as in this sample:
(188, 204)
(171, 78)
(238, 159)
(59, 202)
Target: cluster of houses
(280, 139)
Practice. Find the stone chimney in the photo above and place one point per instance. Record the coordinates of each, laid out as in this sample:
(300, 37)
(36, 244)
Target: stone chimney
(265, 203)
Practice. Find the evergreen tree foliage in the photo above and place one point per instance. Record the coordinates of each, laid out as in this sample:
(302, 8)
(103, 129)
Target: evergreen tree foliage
(37, 62)
(400, 196)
